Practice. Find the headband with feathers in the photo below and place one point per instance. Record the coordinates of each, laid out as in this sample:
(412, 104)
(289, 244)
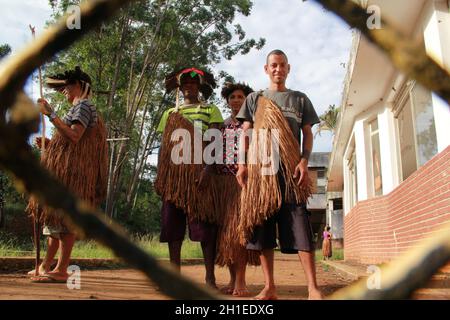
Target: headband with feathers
(207, 82)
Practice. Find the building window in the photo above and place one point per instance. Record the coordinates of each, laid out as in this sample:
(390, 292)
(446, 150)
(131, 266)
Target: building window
(353, 180)
(424, 124)
(406, 137)
(321, 181)
(337, 204)
(376, 159)
(416, 129)
(320, 174)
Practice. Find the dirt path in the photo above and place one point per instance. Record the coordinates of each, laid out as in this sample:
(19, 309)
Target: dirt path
(131, 284)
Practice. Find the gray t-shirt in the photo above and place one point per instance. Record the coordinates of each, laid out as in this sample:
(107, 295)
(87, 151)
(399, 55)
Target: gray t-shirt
(84, 112)
(295, 106)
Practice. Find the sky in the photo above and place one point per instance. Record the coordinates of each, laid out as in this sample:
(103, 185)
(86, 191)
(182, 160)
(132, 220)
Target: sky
(316, 42)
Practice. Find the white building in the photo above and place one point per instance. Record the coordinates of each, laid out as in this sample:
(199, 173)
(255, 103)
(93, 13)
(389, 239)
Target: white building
(389, 128)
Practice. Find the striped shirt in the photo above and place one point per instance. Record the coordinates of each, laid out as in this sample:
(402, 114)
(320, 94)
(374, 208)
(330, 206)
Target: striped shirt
(84, 112)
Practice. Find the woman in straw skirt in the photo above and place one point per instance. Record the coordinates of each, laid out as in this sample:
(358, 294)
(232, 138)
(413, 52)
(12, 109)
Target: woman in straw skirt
(227, 193)
(179, 169)
(77, 155)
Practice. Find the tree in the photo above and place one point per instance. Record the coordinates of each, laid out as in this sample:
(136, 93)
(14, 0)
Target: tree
(5, 49)
(328, 120)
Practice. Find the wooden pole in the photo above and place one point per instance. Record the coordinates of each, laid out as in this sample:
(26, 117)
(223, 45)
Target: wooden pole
(37, 227)
(41, 92)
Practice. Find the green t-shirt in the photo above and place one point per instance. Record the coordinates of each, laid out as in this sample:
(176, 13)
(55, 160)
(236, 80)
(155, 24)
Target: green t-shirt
(206, 114)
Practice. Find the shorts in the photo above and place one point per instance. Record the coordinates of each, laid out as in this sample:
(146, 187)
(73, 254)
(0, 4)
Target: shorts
(173, 226)
(294, 230)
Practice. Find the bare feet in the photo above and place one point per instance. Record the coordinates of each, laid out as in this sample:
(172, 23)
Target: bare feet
(42, 270)
(228, 289)
(241, 292)
(211, 283)
(315, 294)
(57, 275)
(46, 279)
(267, 294)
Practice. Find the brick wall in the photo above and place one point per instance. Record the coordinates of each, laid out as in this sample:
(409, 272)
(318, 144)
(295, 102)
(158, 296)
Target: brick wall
(379, 229)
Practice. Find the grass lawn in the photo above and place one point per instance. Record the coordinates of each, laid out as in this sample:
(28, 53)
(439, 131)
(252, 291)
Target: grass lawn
(14, 247)
(338, 254)
(91, 249)
(10, 247)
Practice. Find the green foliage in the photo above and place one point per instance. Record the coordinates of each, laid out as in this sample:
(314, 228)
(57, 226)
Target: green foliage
(13, 246)
(144, 216)
(128, 59)
(329, 120)
(338, 254)
(5, 49)
(11, 201)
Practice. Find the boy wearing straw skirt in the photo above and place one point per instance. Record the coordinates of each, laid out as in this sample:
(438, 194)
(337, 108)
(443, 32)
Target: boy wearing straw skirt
(278, 199)
(176, 180)
(77, 155)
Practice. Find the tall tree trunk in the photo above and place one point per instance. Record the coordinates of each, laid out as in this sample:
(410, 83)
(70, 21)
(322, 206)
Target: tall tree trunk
(134, 100)
(118, 58)
(139, 164)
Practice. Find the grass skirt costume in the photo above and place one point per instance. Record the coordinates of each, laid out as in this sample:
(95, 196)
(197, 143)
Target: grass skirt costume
(81, 167)
(262, 197)
(227, 194)
(177, 183)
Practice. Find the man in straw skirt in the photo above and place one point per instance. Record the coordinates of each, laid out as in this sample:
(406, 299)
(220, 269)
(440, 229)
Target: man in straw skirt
(227, 193)
(77, 155)
(177, 180)
(279, 197)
